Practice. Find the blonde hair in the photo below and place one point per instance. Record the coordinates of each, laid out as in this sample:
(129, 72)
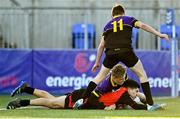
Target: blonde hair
(118, 71)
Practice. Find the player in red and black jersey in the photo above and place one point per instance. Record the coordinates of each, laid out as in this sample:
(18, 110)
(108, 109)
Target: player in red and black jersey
(114, 80)
(123, 95)
(116, 40)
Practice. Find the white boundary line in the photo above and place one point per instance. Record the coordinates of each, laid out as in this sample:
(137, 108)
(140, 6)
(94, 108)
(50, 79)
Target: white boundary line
(94, 118)
(30, 107)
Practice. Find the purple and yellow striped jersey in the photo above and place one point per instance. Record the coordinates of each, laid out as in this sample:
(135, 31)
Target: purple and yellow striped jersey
(107, 85)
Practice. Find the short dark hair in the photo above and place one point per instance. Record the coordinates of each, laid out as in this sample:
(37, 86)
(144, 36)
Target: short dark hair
(117, 10)
(131, 84)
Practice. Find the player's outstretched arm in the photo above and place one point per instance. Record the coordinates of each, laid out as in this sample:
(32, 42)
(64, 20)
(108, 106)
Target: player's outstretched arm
(150, 29)
(99, 54)
(126, 99)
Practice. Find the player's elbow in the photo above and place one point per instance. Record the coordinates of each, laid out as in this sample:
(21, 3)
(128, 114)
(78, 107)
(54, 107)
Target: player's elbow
(143, 26)
(101, 45)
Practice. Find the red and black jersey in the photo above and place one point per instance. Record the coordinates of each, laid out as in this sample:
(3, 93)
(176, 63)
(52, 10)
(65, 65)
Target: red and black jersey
(112, 97)
(120, 96)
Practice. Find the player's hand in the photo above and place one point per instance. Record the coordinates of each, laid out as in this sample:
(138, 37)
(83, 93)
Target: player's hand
(78, 103)
(96, 65)
(164, 36)
(111, 107)
(141, 96)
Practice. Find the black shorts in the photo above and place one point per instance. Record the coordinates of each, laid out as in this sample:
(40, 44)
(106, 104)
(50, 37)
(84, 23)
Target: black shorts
(93, 102)
(73, 97)
(112, 58)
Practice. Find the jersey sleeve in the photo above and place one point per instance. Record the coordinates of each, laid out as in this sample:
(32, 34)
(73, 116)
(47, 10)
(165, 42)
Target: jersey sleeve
(126, 99)
(134, 22)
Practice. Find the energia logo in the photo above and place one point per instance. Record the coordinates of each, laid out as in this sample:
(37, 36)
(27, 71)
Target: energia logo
(78, 82)
(72, 81)
(83, 62)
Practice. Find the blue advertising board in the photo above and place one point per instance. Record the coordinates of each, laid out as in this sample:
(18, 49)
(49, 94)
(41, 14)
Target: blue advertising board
(62, 71)
(15, 65)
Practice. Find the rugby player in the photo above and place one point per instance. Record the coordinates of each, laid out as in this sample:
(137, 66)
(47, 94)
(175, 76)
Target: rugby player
(123, 95)
(113, 81)
(116, 40)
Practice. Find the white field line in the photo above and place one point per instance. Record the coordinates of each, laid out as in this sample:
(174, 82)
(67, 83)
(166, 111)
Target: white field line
(94, 118)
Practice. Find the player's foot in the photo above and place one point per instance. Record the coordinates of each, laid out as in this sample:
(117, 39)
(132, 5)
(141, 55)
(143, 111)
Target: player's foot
(19, 89)
(14, 104)
(156, 107)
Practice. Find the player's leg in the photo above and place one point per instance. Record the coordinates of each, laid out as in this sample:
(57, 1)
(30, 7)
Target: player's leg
(139, 70)
(108, 63)
(132, 61)
(92, 85)
(102, 73)
(65, 101)
(54, 103)
(23, 87)
(42, 94)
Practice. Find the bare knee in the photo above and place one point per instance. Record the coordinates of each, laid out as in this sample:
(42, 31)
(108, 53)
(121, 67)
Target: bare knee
(140, 72)
(54, 105)
(43, 93)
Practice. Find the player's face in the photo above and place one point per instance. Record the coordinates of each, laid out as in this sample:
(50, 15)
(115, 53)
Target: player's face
(133, 92)
(118, 81)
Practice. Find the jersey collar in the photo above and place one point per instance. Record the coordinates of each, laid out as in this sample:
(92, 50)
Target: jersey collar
(116, 16)
(112, 83)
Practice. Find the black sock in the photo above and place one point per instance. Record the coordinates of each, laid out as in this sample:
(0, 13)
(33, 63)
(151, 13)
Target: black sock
(28, 90)
(147, 92)
(24, 102)
(89, 89)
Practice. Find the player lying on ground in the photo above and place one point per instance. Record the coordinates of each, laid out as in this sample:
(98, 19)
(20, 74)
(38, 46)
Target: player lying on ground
(112, 81)
(113, 100)
(116, 40)
(123, 95)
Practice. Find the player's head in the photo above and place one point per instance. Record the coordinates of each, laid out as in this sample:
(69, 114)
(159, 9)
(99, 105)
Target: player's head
(117, 10)
(118, 74)
(132, 87)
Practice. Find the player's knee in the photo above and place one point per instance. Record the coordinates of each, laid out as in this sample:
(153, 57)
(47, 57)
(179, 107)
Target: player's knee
(43, 93)
(51, 104)
(143, 78)
(143, 75)
(140, 72)
(54, 105)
